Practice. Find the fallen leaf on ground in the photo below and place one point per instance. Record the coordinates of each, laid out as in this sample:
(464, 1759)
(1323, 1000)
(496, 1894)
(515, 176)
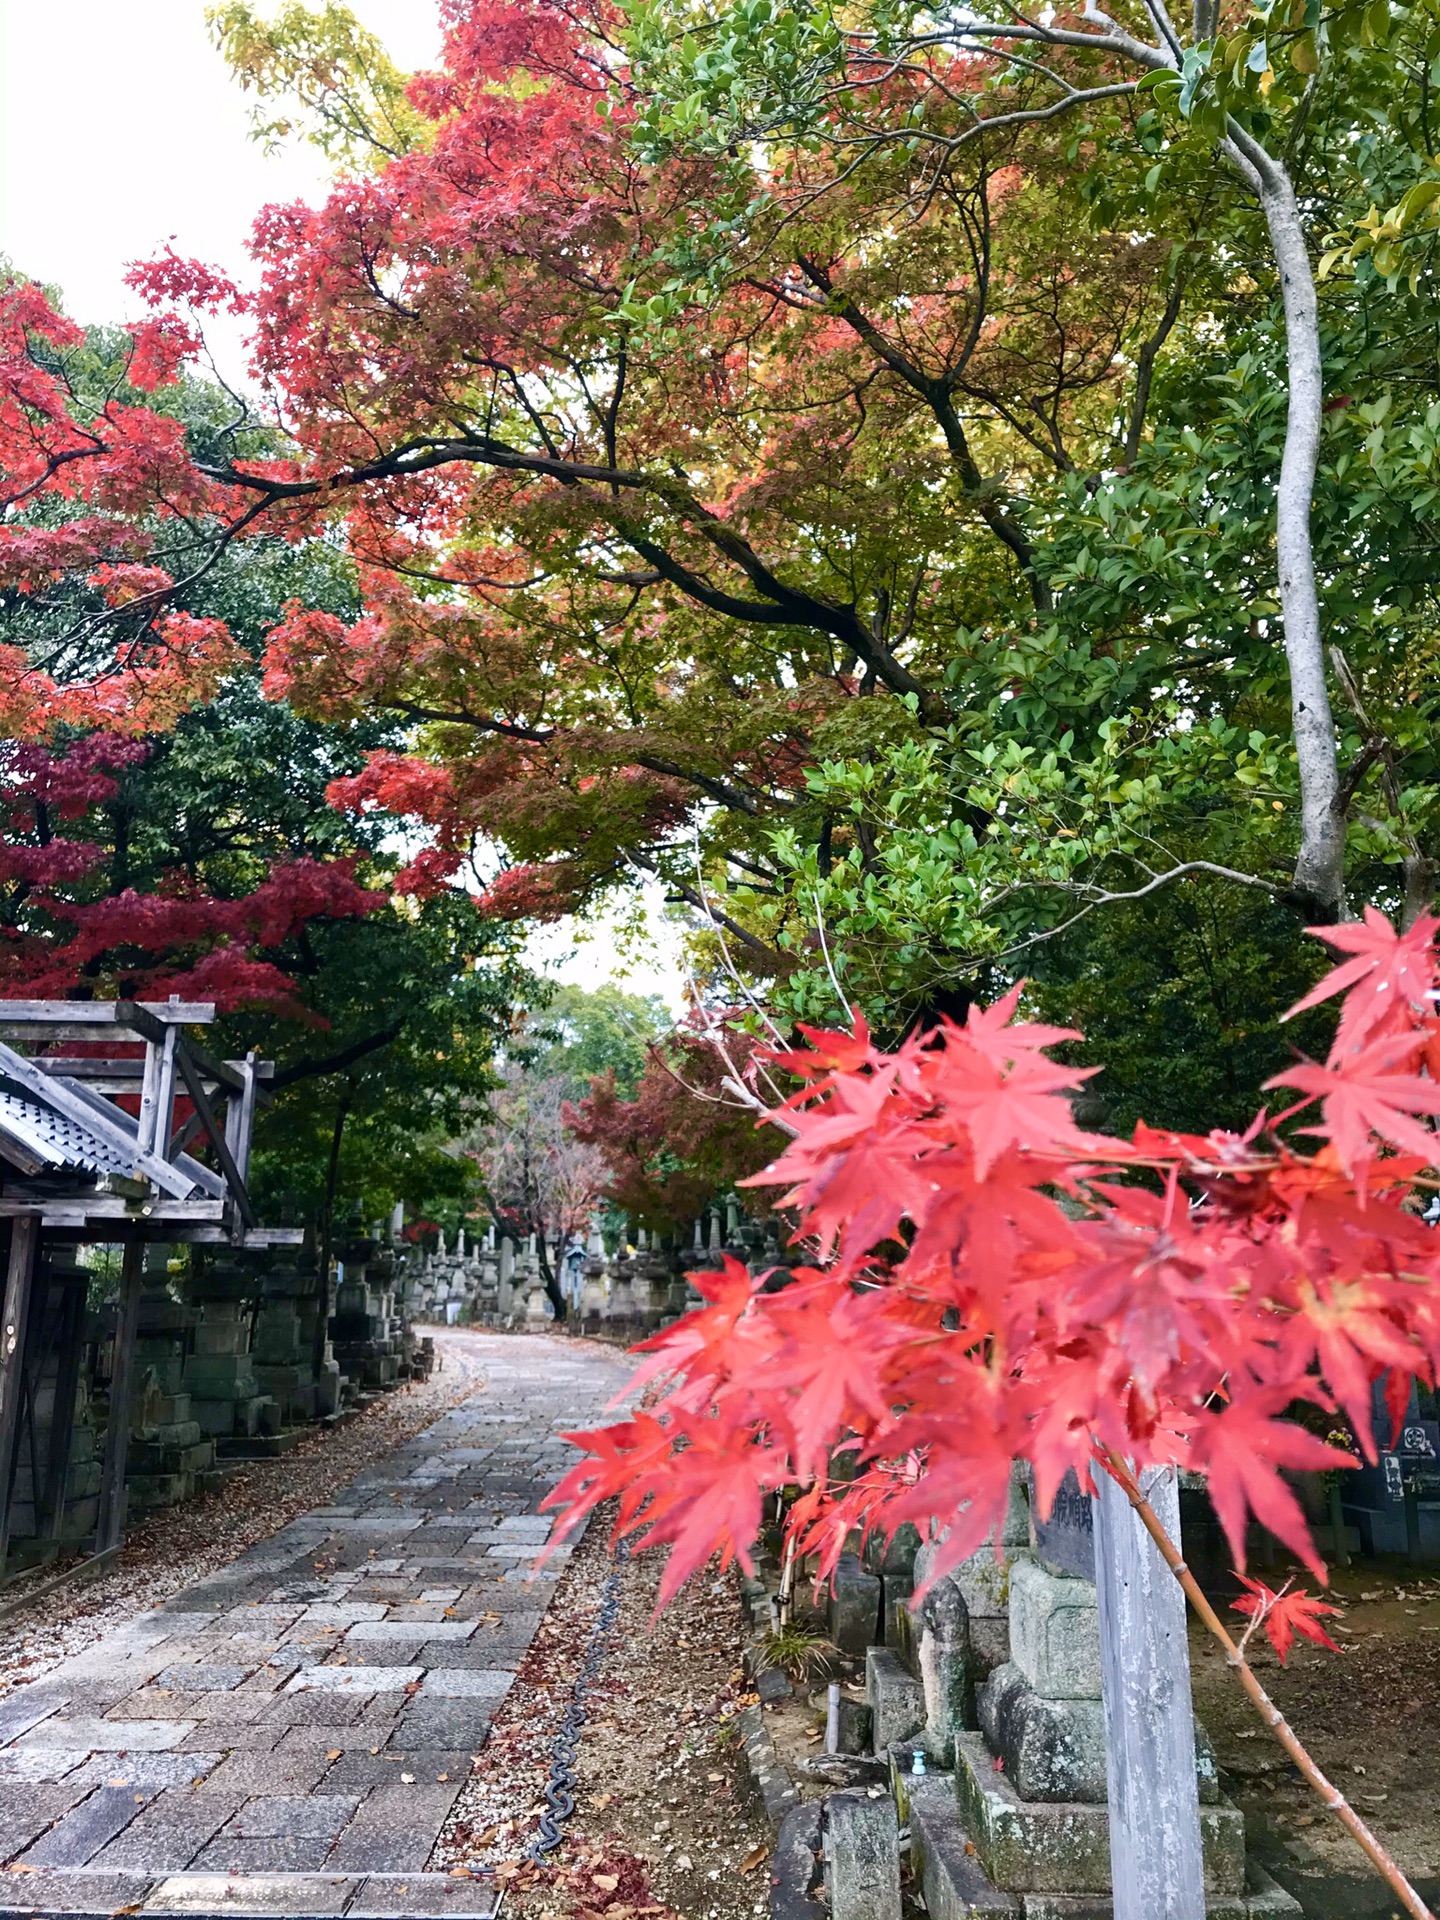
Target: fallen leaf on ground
(754, 1858)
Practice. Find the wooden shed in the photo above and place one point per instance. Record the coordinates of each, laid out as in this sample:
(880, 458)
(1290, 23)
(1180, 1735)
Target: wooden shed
(117, 1129)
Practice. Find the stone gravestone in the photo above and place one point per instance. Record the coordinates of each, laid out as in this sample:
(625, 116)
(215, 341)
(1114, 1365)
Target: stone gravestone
(1065, 1543)
(1155, 1851)
(862, 1855)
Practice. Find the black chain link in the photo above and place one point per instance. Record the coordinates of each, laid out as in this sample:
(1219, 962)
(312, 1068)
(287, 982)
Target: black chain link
(560, 1786)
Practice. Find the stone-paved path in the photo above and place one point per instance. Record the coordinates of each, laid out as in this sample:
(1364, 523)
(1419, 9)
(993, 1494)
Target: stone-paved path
(287, 1735)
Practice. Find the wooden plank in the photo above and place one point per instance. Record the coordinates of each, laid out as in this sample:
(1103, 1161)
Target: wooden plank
(20, 1153)
(1156, 1867)
(107, 1013)
(87, 1206)
(240, 1118)
(157, 1096)
(14, 1325)
(117, 1427)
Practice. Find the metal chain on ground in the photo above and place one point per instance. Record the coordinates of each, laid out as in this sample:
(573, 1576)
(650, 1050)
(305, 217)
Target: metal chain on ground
(561, 1783)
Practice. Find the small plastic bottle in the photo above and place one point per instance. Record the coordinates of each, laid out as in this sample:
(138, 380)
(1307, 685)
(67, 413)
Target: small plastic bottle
(918, 1764)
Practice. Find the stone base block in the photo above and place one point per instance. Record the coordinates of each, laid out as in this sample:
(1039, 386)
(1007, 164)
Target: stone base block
(1263, 1899)
(943, 1857)
(1032, 1846)
(897, 1700)
(862, 1856)
(280, 1379)
(219, 1376)
(1055, 1632)
(1052, 1749)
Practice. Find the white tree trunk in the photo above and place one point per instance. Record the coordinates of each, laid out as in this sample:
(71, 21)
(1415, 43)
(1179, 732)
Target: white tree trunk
(1320, 866)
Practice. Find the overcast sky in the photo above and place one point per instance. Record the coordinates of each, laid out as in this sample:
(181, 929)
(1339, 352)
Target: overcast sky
(121, 132)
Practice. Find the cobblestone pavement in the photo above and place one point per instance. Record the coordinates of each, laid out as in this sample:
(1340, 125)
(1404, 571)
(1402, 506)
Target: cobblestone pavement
(287, 1735)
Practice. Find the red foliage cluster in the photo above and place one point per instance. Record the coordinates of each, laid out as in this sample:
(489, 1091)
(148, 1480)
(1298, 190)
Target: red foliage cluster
(998, 1285)
(186, 942)
(681, 1139)
(63, 932)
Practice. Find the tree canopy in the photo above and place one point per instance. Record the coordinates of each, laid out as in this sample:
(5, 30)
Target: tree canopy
(838, 463)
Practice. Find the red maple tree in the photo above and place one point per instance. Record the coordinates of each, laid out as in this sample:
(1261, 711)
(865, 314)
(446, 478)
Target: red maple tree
(69, 930)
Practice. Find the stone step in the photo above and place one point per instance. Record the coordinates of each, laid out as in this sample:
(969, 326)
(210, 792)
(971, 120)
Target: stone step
(258, 1446)
(947, 1867)
(1063, 1846)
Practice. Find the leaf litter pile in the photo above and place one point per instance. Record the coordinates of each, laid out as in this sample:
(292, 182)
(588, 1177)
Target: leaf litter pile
(181, 1544)
(664, 1825)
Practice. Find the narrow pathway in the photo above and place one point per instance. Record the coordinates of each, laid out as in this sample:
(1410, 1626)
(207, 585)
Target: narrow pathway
(287, 1735)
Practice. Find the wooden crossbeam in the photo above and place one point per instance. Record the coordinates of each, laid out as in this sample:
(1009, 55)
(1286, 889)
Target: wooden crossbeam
(89, 1205)
(144, 1016)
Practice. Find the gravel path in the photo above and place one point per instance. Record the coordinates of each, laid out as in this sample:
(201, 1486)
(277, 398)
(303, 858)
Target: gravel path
(288, 1731)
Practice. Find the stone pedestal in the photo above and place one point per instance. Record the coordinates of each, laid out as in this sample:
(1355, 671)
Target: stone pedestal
(169, 1456)
(225, 1396)
(366, 1330)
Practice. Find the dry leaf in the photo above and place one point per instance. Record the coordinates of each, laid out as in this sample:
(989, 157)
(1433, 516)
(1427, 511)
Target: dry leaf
(333, 1754)
(442, 1776)
(461, 1873)
(607, 1882)
(754, 1858)
(602, 1800)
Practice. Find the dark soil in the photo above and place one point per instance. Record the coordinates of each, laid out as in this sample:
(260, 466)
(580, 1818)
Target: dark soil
(1370, 1716)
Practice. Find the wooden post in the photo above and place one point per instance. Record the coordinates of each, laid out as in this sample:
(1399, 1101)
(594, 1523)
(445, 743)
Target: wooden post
(69, 1352)
(111, 1518)
(1155, 1857)
(14, 1322)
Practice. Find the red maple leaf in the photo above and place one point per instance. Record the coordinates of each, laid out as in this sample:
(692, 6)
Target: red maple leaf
(1284, 1614)
(1391, 972)
(1362, 1096)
